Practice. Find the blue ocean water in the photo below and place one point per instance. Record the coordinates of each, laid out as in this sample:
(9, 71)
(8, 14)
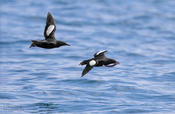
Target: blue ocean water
(140, 34)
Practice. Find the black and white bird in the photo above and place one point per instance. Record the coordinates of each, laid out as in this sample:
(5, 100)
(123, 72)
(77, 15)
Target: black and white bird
(99, 60)
(50, 41)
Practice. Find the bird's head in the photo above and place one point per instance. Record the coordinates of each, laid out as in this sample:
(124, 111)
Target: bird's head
(111, 63)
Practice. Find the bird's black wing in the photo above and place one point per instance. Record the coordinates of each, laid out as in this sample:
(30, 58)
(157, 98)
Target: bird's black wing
(100, 54)
(86, 69)
(50, 27)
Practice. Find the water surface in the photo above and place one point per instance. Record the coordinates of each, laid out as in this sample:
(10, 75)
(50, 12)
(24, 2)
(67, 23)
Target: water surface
(140, 34)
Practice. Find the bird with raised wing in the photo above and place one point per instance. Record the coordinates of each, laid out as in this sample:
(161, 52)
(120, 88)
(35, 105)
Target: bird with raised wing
(49, 42)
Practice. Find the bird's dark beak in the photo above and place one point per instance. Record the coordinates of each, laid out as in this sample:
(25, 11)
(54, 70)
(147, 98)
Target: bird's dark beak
(117, 63)
(67, 44)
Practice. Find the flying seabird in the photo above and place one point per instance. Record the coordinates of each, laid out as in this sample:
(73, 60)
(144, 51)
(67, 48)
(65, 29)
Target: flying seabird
(99, 60)
(50, 41)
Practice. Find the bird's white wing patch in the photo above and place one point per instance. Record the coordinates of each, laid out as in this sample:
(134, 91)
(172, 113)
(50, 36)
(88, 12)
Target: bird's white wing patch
(100, 52)
(50, 29)
(92, 62)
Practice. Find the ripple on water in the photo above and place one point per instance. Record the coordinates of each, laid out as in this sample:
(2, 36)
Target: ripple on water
(7, 96)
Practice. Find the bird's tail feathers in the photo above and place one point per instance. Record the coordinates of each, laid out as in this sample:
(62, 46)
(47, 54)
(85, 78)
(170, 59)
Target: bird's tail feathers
(33, 44)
